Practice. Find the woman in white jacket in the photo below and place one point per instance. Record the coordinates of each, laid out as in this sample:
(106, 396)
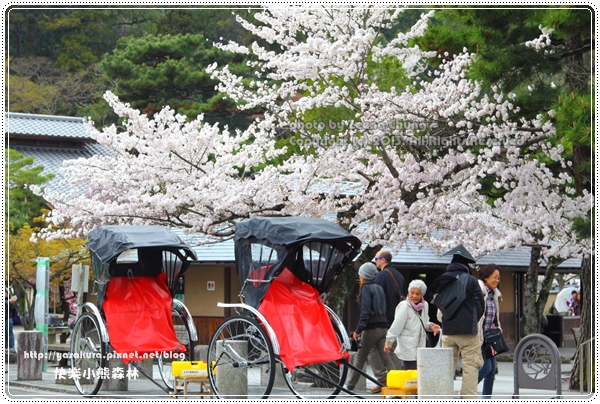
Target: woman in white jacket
(489, 278)
(411, 321)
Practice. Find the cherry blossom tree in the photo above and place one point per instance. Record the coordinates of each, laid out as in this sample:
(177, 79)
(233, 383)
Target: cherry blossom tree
(355, 125)
(410, 160)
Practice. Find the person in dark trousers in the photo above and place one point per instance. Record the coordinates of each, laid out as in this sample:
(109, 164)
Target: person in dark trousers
(394, 287)
(372, 325)
(9, 338)
(489, 279)
(460, 320)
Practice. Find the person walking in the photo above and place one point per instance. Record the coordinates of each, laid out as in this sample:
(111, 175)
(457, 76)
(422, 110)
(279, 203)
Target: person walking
(460, 303)
(489, 279)
(575, 308)
(410, 326)
(394, 287)
(9, 338)
(372, 324)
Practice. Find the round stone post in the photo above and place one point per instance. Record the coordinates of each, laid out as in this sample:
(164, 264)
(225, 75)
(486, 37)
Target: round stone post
(233, 381)
(435, 373)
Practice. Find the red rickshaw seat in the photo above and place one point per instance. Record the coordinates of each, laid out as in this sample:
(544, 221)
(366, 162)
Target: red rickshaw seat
(300, 321)
(138, 317)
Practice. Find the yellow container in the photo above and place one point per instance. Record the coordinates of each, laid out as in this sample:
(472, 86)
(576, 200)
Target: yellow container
(188, 368)
(402, 379)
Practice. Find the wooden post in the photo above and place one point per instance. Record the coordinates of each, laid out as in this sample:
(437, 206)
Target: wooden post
(30, 357)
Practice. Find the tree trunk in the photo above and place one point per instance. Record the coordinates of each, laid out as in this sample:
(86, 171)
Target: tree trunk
(345, 284)
(28, 322)
(64, 304)
(586, 326)
(535, 302)
(531, 317)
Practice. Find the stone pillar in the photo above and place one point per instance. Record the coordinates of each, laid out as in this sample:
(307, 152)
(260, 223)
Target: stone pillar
(201, 352)
(229, 378)
(115, 382)
(146, 365)
(435, 373)
(279, 380)
(30, 357)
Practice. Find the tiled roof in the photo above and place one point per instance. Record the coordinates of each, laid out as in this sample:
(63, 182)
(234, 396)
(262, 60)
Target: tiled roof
(411, 253)
(51, 158)
(45, 125)
(520, 257)
(220, 251)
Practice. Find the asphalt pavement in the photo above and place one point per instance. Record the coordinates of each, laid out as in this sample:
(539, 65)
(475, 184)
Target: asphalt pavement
(141, 388)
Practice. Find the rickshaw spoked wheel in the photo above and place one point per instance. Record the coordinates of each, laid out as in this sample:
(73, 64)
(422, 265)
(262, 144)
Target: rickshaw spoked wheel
(241, 361)
(88, 357)
(184, 336)
(306, 386)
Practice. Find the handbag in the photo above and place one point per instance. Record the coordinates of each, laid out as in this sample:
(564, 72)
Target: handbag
(493, 339)
(428, 341)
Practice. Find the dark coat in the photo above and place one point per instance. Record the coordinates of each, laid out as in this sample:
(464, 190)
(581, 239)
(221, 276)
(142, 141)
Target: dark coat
(392, 296)
(371, 303)
(468, 315)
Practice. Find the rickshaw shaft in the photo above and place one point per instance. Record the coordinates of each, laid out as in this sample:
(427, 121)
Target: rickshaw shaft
(135, 365)
(345, 390)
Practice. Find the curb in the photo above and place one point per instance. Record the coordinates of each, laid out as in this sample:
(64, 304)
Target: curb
(53, 389)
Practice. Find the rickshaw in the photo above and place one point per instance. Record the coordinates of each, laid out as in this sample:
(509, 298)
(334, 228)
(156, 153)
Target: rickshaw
(136, 272)
(286, 266)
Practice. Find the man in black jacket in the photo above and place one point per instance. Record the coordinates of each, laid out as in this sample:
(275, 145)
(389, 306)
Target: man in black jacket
(460, 319)
(394, 286)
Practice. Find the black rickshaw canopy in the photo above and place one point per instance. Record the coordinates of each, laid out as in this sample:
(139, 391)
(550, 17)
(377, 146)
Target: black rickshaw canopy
(108, 242)
(314, 250)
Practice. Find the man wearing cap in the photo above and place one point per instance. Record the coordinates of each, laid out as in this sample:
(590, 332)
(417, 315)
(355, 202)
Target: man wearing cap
(460, 318)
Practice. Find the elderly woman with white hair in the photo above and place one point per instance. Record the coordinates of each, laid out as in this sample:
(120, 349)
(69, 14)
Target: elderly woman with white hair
(410, 326)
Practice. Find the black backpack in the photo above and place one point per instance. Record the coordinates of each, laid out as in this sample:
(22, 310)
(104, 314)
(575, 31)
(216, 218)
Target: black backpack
(451, 294)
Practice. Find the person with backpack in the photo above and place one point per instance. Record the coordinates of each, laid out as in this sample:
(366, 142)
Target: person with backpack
(461, 304)
(394, 287)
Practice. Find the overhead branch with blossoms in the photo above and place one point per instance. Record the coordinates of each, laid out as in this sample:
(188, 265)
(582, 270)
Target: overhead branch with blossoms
(167, 171)
(354, 124)
(404, 160)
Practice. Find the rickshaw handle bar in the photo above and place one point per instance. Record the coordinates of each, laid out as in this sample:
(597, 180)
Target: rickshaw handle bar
(103, 331)
(262, 319)
(185, 313)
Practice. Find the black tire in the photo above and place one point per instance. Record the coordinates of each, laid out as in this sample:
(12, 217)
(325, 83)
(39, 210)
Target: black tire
(184, 336)
(235, 375)
(306, 386)
(88, 354)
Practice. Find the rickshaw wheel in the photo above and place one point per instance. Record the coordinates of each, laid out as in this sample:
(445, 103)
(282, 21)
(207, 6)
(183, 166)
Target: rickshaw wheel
(88, 357)
(306, 386)
(241, 362)
(184, 336)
